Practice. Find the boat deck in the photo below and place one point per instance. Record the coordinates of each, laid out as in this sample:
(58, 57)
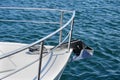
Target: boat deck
(24, 66)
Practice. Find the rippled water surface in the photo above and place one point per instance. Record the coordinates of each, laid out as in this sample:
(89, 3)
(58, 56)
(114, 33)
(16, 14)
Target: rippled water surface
(97, 23)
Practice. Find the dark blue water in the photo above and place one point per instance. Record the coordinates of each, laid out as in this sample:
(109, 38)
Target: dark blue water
(97, 23)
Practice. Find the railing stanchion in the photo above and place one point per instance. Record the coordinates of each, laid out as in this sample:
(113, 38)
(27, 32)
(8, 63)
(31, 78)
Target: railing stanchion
(40, 59)
(70, 34)
(61, 23)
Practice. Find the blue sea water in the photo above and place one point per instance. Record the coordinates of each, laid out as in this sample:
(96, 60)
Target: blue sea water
(97, 23)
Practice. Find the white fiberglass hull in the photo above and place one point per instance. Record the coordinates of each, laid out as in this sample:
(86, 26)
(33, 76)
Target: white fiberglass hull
(24, 66)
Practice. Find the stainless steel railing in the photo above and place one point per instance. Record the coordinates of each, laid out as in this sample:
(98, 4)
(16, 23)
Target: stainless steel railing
(41, 41)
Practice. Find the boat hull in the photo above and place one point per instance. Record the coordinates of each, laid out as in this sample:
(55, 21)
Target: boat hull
(26, 65)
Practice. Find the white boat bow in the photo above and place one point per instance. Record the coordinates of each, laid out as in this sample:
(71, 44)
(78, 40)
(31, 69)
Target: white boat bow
(37, 61)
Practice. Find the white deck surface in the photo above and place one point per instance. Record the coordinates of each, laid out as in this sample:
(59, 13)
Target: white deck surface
(51, 66)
